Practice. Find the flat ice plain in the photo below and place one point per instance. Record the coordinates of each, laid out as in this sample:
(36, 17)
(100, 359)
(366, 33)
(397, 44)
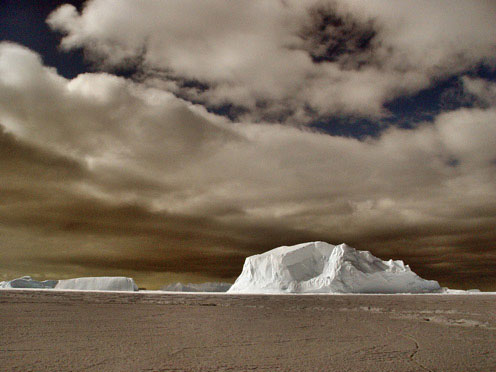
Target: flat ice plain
(46, 330)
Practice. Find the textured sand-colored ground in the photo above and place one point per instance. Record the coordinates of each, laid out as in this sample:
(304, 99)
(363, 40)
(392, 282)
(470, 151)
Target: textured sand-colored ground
(77, 331)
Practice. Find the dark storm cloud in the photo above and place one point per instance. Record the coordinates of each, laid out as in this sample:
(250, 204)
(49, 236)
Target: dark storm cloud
(31, 175)
(19, 159)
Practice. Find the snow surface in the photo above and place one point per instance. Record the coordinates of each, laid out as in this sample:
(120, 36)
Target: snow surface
(203, 287)
(319, 267)
(102, 283)
(28, 282)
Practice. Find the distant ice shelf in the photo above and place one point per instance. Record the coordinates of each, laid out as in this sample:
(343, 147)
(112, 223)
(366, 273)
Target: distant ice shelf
(103, 283)
(201, 287)
(28, 282)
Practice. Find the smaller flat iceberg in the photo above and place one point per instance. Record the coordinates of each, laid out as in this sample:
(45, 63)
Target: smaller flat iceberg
(102, 283)
(28, 282)
(319, 267)
(202, 287)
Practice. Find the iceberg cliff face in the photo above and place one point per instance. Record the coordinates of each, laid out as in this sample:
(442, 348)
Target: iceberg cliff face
(103, 283)
(319, 267)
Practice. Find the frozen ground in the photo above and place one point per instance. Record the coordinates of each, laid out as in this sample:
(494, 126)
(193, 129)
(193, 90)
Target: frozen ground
(96, 331)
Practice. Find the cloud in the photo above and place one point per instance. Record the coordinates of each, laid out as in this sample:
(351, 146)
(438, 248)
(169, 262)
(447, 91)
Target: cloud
(100, 171)
(285, 60)
(482, 90)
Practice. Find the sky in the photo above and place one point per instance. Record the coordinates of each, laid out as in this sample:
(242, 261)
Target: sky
(168, 140)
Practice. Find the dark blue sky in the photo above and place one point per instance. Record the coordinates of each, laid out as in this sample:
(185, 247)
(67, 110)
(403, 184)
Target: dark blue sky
(408, 111)
(23, 22)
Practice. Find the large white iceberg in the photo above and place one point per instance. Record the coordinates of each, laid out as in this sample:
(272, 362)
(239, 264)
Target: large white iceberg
(102, 283)
(202, 287)
(28, 282)
(319, 267)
